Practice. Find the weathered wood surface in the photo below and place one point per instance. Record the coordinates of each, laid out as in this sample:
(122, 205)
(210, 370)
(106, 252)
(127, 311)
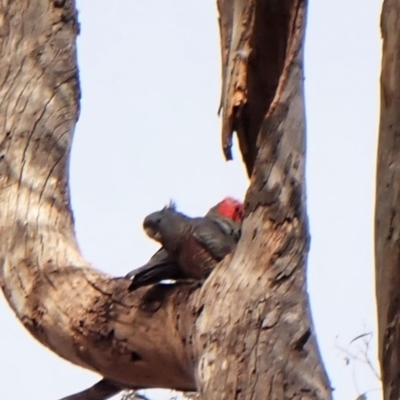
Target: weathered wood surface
(247, 333)
(387, 209)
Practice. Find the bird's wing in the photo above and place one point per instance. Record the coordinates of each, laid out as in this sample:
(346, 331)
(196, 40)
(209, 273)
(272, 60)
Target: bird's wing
(228, 227)
(161, 257)
(155, 274)
(213, 238)
(160, 267)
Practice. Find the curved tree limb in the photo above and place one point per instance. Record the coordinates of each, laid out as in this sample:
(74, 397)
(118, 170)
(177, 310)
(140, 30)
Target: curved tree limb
(247, 332)
(84, 316)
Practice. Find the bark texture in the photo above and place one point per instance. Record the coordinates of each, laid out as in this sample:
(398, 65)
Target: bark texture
(247, 332)
(387, 211)
(256, 331)
(254, 41)
(86, 317)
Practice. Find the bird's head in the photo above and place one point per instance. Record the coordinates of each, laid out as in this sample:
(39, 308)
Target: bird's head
(165, 226)
(231, 208)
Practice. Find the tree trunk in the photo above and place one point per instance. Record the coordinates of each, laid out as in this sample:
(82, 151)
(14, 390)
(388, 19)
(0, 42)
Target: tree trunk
(247, 332)
(387, 211)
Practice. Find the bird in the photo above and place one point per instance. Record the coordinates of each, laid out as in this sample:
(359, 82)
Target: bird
(191, 247)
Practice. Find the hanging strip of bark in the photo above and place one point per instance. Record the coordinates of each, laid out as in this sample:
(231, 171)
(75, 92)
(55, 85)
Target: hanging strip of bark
(387, 209)
(254, 39)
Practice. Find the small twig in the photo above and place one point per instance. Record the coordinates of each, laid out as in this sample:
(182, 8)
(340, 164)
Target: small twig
(360, 336)
(101, 390)
(369, 362)
(365, 353)
(362, 355)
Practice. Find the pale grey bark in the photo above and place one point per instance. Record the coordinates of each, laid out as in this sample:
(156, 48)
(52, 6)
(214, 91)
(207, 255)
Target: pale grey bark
(84, 316)
(256, 331)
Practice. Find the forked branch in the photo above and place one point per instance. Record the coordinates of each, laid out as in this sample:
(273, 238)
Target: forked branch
(247, 331)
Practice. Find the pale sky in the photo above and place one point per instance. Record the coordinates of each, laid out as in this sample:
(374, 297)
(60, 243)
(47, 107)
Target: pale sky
(149, 132)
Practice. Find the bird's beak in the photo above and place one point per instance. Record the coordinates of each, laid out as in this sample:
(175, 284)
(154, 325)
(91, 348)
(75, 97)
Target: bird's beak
(152, 233)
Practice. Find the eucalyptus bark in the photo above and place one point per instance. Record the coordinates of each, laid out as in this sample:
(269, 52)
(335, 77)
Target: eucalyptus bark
(387, 211)
(247, 332)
